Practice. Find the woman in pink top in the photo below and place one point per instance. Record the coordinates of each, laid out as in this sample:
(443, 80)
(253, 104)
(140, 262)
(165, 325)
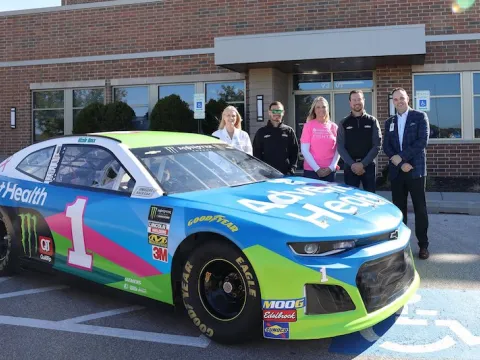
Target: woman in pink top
(319, 144)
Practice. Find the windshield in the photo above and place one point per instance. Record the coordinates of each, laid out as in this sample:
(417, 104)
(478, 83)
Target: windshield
(187, 168)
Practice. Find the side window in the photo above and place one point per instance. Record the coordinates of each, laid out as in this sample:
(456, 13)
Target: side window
(93, 167)
(36, 164)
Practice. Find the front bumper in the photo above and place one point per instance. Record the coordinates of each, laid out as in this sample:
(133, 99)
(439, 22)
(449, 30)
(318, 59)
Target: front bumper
(378, 281)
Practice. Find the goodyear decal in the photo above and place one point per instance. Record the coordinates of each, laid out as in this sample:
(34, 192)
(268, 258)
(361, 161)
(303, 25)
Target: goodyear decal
(217, 218)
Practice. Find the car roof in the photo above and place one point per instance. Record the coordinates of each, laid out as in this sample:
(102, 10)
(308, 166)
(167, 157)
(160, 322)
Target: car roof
(141, 139)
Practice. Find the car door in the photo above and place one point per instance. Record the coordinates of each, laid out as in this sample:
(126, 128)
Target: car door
(98, 233)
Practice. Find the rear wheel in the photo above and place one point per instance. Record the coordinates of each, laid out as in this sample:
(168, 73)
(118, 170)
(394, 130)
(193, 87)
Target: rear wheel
(221, 294)
(7, 261)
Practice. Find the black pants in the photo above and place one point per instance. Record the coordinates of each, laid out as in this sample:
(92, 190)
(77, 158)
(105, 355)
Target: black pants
(401, 186)
(368, 179)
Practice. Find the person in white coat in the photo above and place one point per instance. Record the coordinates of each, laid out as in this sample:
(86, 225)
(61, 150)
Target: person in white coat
(230, 130)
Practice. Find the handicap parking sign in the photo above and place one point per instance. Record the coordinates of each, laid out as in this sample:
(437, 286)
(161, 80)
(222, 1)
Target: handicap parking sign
(435, 324)
(423, 103)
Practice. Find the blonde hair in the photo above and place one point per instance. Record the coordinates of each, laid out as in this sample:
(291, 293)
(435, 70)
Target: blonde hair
(311, 113)
(238, 122)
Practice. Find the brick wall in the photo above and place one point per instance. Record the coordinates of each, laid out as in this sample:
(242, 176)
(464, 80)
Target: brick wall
(181, 24)
(17, 80)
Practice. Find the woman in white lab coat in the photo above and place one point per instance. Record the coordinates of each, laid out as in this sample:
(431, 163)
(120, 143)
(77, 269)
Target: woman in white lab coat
(230, 130)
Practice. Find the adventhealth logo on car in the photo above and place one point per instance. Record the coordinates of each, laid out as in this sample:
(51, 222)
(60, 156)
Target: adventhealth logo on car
(36, 196)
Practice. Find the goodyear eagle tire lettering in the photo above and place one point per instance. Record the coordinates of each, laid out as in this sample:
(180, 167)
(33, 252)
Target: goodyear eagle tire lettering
(220, 293)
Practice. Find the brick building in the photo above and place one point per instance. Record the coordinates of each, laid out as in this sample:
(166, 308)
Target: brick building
(55, 60)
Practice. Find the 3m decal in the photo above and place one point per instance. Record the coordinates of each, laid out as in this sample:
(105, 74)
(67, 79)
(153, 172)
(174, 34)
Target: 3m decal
(158, 213)
(28, 227)
(37, 196)
(217, 218)
(158, 240)
(160, 253)
(77, 255)
(284, 304)
(276, 330)
(45, 248)
(280, 315)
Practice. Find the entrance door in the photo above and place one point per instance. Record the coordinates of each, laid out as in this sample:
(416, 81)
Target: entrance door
(335, 88)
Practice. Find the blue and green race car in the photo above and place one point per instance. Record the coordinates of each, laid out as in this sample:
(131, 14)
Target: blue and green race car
(188, 220)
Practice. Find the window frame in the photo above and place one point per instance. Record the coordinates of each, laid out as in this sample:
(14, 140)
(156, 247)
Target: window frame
(30, 154)
(33, 109)
(86, 88)
(88, 188)
(463, 112)
(473, 95)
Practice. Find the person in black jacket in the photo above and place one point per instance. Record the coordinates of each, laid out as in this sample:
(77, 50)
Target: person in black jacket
(359, 138)
(276, 143)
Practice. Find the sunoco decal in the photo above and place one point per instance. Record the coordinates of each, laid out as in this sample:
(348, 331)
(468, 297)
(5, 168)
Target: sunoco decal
(13, 191)
(276, 330)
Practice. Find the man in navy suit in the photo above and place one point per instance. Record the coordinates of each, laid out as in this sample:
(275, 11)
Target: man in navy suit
(405, 142)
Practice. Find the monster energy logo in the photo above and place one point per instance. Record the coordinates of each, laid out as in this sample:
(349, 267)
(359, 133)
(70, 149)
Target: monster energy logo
(153, 212)
(29, 225)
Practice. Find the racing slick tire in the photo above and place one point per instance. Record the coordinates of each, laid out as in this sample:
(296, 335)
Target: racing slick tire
(221, 294)
(8, 260)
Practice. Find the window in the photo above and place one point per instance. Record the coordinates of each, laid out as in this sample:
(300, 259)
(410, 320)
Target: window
(93, 167)
(137, 99)
(476, 104)
(36, 164)
(445, 114)
(48, 114)
(184, 91)
(84, 97)
(216, 95)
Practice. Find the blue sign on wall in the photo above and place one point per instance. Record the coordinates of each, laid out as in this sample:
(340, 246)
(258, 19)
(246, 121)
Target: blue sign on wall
(436, 324)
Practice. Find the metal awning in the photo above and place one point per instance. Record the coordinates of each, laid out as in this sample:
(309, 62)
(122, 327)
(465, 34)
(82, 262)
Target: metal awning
(324, 50)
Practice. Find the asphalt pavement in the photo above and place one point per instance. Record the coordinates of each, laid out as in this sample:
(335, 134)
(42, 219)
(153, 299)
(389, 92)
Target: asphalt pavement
(55, 317)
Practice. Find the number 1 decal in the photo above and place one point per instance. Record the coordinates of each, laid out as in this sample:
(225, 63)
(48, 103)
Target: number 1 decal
(323, 271)
(78, 257)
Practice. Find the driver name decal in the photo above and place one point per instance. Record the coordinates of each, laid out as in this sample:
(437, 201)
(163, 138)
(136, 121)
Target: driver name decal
(37, 196)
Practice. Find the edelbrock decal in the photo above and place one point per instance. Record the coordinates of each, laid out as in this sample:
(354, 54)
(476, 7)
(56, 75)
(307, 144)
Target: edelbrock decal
(13, 191)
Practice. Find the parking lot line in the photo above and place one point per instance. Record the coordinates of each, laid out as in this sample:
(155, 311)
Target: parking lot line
(102, 314)
(4, 279)
(32, 291)
(200, 341)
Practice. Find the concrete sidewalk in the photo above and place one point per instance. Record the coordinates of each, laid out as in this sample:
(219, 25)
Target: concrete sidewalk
(446, 202)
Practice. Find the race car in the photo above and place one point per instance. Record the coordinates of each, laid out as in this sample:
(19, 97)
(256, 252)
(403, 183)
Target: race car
(190, 221)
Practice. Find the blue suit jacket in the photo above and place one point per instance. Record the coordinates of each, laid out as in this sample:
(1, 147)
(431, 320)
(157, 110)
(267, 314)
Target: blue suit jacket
(415, 140)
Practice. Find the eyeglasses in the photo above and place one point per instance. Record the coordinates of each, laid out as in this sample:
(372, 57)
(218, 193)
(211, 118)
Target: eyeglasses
(275, 111)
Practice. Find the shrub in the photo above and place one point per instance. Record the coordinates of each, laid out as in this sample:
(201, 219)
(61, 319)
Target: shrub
(213, 115)
(97, 117)
(171, 113)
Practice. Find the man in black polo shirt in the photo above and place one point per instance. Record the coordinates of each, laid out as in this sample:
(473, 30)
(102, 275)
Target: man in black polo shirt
(359, 140)
(276, 143)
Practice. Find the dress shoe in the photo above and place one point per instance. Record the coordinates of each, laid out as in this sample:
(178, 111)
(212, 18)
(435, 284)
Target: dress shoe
(423, 254)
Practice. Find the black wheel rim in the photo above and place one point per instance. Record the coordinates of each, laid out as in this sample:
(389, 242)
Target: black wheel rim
(222, 289)
(3, 240)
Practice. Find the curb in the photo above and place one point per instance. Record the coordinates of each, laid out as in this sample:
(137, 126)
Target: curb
(450, 207)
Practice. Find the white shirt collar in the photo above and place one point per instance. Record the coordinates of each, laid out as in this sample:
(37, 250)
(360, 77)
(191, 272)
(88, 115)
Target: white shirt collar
(404, 115)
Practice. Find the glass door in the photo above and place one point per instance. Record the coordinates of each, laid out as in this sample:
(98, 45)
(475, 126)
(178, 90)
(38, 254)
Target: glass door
(335, 88)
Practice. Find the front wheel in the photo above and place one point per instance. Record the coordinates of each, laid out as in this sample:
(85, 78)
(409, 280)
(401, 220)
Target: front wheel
(221, 294)
(7, 258)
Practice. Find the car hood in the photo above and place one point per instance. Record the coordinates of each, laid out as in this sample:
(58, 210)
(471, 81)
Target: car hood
(302, 207)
